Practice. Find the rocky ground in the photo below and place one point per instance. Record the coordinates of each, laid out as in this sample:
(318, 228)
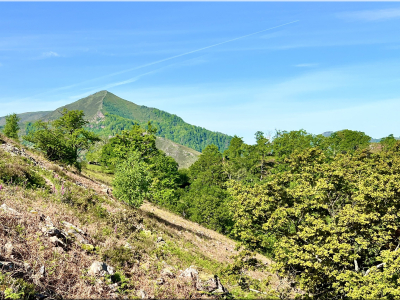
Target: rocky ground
(65, 236)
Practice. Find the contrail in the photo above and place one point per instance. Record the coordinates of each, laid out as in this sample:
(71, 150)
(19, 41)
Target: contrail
(162, 60)
(194, 51)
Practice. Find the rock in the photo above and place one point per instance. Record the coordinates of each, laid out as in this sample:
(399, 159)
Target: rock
(58, 250)
(190, 273)
(8, 249)
(9, 210)
(6, 266)
(75, 232)
(160, 240)
(42, 270)
(167, 272)
(212, 285)
(100, 269)
(141, 294)
(57, 242)
(72, 227)
(113, 287)
(77, 236)
(49, 223)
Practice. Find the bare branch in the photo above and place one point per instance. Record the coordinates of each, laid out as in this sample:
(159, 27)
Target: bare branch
(378, 266)
(356, 265)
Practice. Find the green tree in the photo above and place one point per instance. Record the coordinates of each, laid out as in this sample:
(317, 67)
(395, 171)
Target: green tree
(235, 159)
(261, 155)
(285, 143)
(138, 144)
(334, 223)
(388, 142)
(63, 139)
(11, 128)
(136, 139)
(132, 180)
(348, 141)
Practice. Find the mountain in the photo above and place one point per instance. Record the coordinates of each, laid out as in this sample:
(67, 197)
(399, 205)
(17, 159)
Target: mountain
(27, 117)
(109, 114)
(327, 133)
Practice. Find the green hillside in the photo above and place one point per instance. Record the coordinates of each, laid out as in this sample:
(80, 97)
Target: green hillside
(109, 114)
(91, 105)
(27, 117)
(169, 126)
(183, 155)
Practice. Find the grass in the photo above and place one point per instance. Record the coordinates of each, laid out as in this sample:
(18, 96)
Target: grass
(121, 236)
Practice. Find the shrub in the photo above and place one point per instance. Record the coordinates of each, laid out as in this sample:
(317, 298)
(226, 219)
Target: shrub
(11, 128)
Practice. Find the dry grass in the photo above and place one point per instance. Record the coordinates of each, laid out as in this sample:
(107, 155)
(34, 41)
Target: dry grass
(109, 225)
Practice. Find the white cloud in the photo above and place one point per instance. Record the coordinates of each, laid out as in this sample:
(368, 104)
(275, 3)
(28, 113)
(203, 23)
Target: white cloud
(371, 15)
(306, 65)
(50, 54)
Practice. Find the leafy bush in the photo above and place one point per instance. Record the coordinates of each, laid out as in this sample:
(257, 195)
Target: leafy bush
(336, 222)
(62, 139)
(132, 180)
(11, 128)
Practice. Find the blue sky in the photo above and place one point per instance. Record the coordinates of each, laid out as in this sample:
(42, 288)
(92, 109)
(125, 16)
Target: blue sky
(336, 67)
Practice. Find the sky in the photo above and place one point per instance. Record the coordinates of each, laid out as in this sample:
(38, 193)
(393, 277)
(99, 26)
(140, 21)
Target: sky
(232, 67)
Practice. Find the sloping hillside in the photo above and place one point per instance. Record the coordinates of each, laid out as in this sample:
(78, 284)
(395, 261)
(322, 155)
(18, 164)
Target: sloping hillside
(91, 106)
(27, 117)
(183, 155)
(104, 108)
(65, 236)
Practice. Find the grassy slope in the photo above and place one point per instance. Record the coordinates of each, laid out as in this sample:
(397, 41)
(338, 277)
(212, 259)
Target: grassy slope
(109, 224)
(165, 122)
(183, 155)
(91, 105)
(27, 117)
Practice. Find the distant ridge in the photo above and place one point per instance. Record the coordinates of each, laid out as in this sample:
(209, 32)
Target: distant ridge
(109, 114)
(27, 117)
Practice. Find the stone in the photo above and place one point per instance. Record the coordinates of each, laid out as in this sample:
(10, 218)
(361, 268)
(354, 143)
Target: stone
(190, 272)
(9, 210)
(72, 228)
(167, 272)
(57, 242)
(8, 249)
(48, 221)
(212, 285)
(160, 240)
(58, 250)
(77, 236)
(42, 270)
(141, 294)
(100, 269)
